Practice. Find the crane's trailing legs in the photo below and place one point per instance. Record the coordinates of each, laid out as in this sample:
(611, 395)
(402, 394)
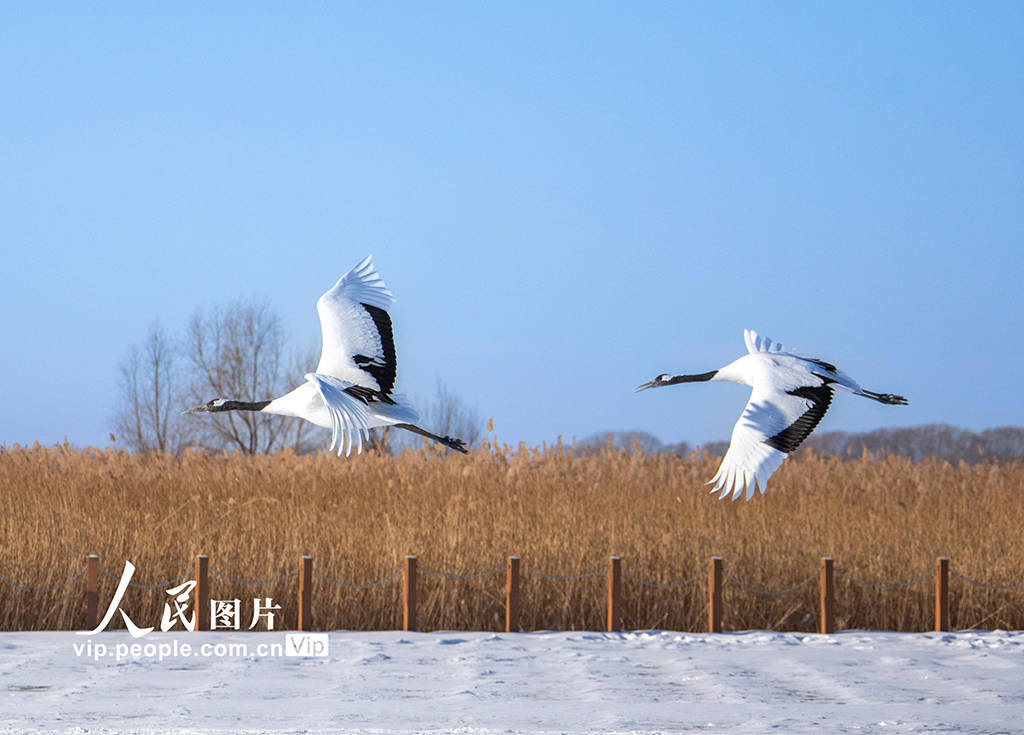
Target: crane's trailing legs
(457, 444)
(889, 399)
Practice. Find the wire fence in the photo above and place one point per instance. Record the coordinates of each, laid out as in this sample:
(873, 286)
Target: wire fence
(666, 585)
(564, 577)
(718, 577)
(877, 586)
(367, 586)
(771, 593)
(471, 575)
(157, 586)
(272, 580)
(52, 588)
(984, 585)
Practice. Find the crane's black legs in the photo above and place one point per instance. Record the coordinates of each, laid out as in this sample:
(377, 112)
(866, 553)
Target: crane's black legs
(457, 444)
(890, 399)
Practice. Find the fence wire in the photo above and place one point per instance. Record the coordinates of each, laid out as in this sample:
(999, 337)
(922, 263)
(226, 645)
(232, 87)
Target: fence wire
(565, 577)
(451, 575)
(897, 586)
(54, 588)
(366, 586)
(666, 585)
(158, 585)
(983, 585)
(767, 593)
(292, 573)
(531, 572)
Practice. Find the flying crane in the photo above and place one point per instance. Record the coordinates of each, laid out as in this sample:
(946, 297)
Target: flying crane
(351, 390)
(789, 396)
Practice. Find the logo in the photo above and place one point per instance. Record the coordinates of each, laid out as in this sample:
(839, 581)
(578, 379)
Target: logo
(224, 614)
(305, 644)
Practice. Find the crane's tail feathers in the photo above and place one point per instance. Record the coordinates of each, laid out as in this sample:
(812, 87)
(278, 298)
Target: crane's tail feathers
(890, 399)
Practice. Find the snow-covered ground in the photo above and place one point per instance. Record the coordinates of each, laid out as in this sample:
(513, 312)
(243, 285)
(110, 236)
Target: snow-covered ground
(393, 682)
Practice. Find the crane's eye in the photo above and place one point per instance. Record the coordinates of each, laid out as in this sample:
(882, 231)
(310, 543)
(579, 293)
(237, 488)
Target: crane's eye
(662, 378)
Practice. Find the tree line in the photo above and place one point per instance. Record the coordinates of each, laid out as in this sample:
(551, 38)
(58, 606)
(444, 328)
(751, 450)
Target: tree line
(238, 351)
(916, 443)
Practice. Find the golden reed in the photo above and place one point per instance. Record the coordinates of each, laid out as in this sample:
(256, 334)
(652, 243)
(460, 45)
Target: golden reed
(882, 521)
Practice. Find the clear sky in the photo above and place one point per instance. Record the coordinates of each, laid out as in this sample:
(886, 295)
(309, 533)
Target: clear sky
(566, 198)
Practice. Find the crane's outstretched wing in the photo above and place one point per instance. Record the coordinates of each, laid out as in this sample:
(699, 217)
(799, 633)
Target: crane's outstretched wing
(773, 424)
(358, 345)
(350, 422)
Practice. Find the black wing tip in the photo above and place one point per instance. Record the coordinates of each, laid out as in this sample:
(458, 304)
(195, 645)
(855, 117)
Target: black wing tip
(368, 395)
(793, 435)
(384, 373)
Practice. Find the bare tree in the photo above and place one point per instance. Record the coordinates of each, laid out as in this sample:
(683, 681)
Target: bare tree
(148, 417)
(238, 352)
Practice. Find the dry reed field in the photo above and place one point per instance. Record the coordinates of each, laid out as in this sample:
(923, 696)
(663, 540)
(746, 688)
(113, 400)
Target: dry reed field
(255, 516)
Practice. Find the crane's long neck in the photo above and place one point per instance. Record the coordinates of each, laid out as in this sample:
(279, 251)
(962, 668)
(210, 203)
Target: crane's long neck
(240, 406)
(702, 377)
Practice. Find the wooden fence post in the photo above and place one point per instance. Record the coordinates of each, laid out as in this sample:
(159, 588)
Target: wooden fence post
(715, 595)
(614, 594)
(202, 592)
(409, 590)
(512, 596)
(828, 622)
(942, 594)
(306, 594)
(92, 590)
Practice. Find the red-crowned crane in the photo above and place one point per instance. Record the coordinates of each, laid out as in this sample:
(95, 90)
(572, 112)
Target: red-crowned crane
(351, 390)
(789, 396)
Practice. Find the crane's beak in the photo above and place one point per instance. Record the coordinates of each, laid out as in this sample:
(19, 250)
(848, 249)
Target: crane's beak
(651, 384)
(197, 409)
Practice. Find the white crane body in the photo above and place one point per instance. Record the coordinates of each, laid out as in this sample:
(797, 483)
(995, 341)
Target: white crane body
(305, 402)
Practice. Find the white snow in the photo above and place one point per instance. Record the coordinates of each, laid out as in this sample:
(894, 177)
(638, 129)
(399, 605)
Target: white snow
(567, 682)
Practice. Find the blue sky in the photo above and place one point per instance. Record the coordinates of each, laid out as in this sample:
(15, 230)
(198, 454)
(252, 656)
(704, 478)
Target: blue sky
(566, 199)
